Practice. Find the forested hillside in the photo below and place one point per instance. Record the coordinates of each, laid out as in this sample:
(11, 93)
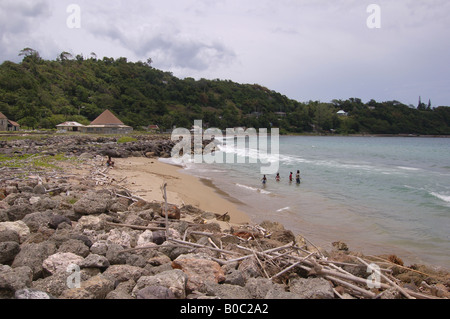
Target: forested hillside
(39, 93)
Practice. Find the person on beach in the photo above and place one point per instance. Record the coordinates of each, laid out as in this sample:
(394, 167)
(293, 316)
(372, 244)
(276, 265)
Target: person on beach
(278, 177)
(297, 177)
(110, 162)
(290, 178)
(264, 180)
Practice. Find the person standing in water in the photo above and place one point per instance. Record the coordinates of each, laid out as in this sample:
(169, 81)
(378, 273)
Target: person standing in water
(264, 180)
(278, 177)
(290, 178)
(297, 177)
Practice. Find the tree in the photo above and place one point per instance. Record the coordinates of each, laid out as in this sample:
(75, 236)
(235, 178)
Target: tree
(29, 52)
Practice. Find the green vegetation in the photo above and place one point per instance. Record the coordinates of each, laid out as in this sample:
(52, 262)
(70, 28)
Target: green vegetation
(41, 94)
(35, 161)
(126, 139)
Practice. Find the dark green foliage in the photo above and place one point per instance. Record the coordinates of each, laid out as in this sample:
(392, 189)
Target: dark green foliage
(40, 94)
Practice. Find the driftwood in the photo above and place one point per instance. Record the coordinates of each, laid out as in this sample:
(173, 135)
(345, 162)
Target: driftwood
(135, 226)
(274, 263)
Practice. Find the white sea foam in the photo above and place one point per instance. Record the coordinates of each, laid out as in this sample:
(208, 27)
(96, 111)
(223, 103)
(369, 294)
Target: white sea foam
(408, 168)
(255, 189)
(282, 209)
(445, 198)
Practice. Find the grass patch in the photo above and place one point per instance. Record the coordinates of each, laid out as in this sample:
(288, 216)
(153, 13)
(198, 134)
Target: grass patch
(126, 139)
(35, 161)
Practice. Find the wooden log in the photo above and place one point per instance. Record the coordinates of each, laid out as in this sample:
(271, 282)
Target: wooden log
(135, 226)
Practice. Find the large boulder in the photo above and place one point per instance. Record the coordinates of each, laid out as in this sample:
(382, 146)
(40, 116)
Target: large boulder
(19, 227)
(8, 250)
(311, 288)
(174, 280)
(199, 271)
(92, 203)
(13, 279)
(122, 273)
(60, 262)
(33, 255)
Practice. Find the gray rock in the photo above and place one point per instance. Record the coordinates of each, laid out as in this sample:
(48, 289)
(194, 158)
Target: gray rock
(85, 239)
(8, 250)
(99, 247)
(115, 256)
(36, 220)
(226, 291)
(99, 286)
(155, 292)
(311, 288)
(259, 287)
(95, 261)
(18, 212)
(56, 220)
(13, 279)
(39, 189)
(159, 237)
(92, 203)
(60, 262)
(175, 280)
(9, 235)
(45, 203)
(74, 246)
(235, 277)
(33, 255)
(54, 284)
(18, 226)
(32, 294)
(122, 291)
(122, 273)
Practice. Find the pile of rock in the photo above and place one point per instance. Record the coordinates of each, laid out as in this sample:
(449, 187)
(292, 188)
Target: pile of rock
(82, 242)
(48, 241)
(144, 145)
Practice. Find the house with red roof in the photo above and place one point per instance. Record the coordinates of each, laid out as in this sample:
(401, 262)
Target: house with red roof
(7, 124)
(107, 123)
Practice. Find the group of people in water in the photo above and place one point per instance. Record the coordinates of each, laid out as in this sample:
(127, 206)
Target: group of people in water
(277, 178)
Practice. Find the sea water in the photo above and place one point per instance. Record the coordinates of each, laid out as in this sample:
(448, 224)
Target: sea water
(380, 195)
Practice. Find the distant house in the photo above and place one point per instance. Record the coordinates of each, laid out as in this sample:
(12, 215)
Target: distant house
(153, 128)
(70, 127)
(8, 125)
(107, 123)
(342, 113)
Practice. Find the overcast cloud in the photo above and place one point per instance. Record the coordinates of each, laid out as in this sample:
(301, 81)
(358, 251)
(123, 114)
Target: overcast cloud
(305, 49)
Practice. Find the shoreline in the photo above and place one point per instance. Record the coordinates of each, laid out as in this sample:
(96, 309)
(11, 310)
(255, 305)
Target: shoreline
(188, 189)
(145, 176)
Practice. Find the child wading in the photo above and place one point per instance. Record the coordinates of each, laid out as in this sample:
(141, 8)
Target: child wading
(297, 177)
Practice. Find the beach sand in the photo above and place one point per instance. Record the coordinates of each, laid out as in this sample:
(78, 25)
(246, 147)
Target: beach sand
(145, 176)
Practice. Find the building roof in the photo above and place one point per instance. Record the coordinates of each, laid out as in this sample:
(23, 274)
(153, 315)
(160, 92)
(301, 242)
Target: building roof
(70, 124)
(107, 118)
(2, 116)
(14, 123)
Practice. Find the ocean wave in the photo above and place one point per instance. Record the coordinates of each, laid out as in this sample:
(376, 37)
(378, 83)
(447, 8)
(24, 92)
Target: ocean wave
(409, 168)
(282, 209)
(259, 190)
(445, 198)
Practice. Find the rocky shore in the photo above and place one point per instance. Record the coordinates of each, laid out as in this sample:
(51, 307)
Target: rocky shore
(65, 235)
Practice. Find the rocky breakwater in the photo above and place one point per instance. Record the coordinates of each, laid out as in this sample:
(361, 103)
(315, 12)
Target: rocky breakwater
(83, 242)
(91, 145)
(76, 145)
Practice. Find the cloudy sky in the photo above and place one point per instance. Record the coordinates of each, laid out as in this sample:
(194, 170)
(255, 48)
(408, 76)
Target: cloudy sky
(304, 49)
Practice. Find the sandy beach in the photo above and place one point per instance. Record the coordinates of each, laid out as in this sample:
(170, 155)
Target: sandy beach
(145, 176)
